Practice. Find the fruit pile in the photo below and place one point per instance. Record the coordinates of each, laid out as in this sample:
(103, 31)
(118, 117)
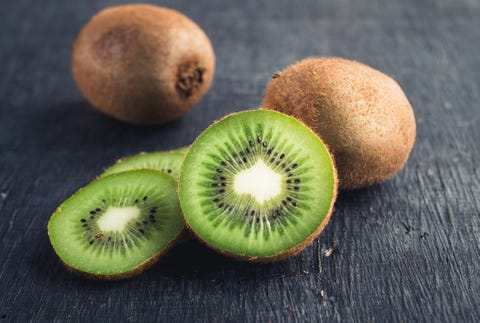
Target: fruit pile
(257, 185)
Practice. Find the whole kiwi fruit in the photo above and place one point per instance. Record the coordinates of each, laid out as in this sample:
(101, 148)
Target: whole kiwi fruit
(361, 114)
(142, 64)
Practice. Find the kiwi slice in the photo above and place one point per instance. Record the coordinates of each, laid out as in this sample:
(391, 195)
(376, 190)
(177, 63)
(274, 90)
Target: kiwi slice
(181, 150)
(166, 161)
(117, 226)
(258, 185)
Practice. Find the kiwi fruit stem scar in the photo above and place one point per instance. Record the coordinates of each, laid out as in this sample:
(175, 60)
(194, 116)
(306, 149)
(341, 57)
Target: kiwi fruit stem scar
(257, 185)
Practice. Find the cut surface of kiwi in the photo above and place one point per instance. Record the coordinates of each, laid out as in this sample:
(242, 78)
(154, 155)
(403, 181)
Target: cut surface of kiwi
(117, 226)
(165, 161)
(257, 185)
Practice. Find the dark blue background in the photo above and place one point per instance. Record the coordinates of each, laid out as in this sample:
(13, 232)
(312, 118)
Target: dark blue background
(406, 250)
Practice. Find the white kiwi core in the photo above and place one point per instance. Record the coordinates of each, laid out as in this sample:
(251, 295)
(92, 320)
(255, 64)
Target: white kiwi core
(115, 218)
(259, 181)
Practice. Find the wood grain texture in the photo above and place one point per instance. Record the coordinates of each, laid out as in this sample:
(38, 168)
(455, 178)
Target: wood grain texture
(406, 250)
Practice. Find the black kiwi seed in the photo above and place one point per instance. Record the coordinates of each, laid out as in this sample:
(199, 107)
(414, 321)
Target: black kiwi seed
(93, 212)
(83, 220)
(265, 144)
(145, 198)
(250, 143)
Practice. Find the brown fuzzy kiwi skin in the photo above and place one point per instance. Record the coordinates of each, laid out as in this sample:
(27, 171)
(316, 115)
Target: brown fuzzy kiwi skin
(361, 113)
(285, 254)
(142, 64)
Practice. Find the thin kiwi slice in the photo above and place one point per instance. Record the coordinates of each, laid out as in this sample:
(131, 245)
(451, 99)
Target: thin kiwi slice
(117, 226)
(166, 161)
(181, 150)
(258, 185)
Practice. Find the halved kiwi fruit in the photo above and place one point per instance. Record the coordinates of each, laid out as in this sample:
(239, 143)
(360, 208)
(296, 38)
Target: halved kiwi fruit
(117, 226)
(258, 186)
(166, 161)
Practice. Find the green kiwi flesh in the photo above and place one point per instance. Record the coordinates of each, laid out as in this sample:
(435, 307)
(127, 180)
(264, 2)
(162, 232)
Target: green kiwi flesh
(166, 161)
(182, 150)
(118, 225)
(258, 186)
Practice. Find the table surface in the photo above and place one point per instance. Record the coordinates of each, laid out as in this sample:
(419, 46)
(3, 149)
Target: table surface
(405, 250)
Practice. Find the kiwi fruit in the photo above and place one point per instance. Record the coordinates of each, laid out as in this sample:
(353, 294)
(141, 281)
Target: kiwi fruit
(166, 161)
(360, 113)
(117, 226)
(142, 64)
(258, 186)
(181, 150)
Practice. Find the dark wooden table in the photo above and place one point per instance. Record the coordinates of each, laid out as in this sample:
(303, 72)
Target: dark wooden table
(406, 250)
